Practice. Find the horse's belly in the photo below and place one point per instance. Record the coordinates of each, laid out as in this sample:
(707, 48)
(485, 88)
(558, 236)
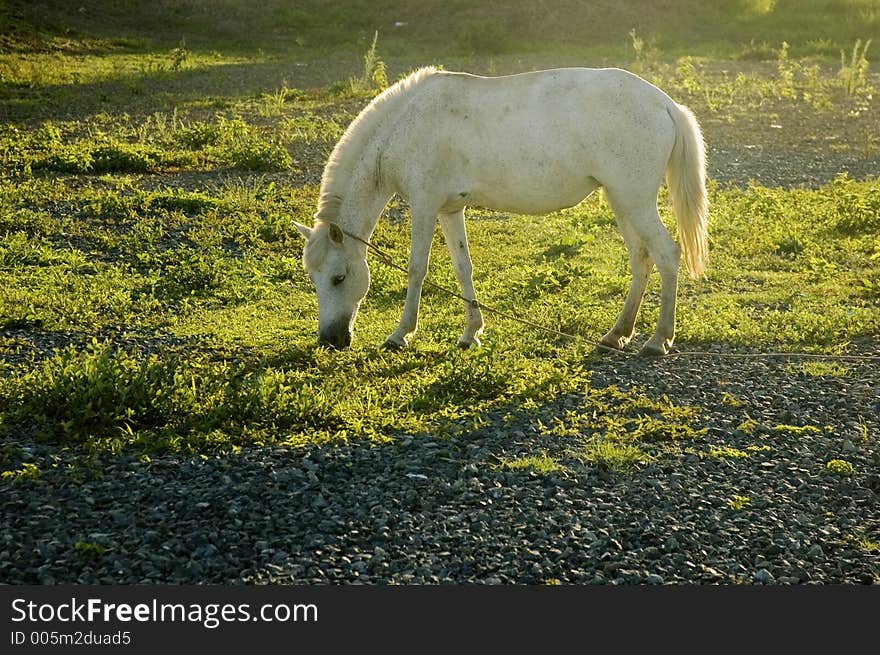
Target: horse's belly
(529, 197)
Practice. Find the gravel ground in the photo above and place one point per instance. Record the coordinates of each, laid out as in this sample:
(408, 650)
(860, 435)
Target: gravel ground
(737, 166)
(428, 509)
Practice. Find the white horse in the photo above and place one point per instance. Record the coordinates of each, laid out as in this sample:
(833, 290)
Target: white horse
(531, 143)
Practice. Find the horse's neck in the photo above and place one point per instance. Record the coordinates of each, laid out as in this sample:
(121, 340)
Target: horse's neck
(363, 203)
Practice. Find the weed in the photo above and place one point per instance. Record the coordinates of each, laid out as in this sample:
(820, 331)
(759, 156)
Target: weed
(258, 154)
(198, 134)
(374, 77)
(738, 503)
(854, 73)
(855, 212)
(790, 245)
(727, 452)
(817, 368)
(187, 202)
(273, 104)
(730, 400)
(863, 430)
(840, 467)
(27, 472)
(647, 54)
(89, 550)
(541, 464)
(795, 430)
(866, 543)
(614, 457)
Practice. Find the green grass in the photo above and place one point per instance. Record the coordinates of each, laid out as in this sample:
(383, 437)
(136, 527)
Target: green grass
(541, 464)
(840, 467)
(217, 272)
(151, 175)
(736, 28)
(614, 457)
(727, 452)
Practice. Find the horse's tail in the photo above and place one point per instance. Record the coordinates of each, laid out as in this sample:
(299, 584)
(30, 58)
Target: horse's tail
(686, 178)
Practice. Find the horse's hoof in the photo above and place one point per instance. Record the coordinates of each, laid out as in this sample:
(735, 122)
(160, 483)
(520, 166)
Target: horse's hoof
(653, 351)
(612, 341)
(473, 342)
(391, 344)
(605, 348)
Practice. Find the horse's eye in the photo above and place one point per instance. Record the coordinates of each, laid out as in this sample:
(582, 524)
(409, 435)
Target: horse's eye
(338, 279)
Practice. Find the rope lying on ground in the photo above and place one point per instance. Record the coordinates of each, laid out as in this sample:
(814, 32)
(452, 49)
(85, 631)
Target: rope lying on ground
(386, 259)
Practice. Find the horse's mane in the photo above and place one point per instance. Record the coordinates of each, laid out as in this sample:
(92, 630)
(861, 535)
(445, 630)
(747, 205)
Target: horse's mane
(347, 152)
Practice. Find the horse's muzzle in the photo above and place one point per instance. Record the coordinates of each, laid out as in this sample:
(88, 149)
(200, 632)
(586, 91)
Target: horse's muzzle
(336, 336)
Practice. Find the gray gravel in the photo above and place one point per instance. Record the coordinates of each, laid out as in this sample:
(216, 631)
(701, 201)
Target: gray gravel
(789, 168)
(429, 509)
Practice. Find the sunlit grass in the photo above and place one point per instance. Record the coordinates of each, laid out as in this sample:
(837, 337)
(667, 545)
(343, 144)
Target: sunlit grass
(147, 196)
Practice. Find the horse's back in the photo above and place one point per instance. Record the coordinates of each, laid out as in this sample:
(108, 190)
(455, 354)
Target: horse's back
(540, 140)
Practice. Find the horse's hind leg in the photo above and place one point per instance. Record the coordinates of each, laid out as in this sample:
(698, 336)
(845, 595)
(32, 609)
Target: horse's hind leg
(641, 265)
(643, 219)
(456, 242)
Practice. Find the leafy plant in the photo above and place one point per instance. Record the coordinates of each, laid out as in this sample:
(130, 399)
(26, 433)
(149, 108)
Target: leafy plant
(854, 73)
(374, 77)
(840, 467)
(28, 471)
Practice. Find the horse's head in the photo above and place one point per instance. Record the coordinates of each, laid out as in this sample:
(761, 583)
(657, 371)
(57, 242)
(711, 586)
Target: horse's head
(338, 268)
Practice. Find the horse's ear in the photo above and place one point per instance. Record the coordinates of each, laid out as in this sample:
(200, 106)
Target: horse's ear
(336, 235)
(305, 231)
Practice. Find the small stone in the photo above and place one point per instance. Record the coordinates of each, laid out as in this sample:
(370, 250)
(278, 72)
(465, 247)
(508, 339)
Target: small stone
(764, 576)
(815, 552)
(654, 579)
(848, 446)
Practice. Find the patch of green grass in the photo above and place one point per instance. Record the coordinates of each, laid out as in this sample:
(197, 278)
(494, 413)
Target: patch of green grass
(727, 452)
(818, 368)
(738, 503)
(89, 550)
(840, 467)
(865, 543)
(863, 430)
(730, 400)
(541, 464)
(613, 456)
(794, 430)
(220, 266)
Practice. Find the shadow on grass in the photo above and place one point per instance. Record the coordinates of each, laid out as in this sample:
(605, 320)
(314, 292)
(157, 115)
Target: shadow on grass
(209, 88)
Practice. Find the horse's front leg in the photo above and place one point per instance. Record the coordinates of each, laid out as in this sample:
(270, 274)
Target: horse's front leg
(420, 250)
(456, 243)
